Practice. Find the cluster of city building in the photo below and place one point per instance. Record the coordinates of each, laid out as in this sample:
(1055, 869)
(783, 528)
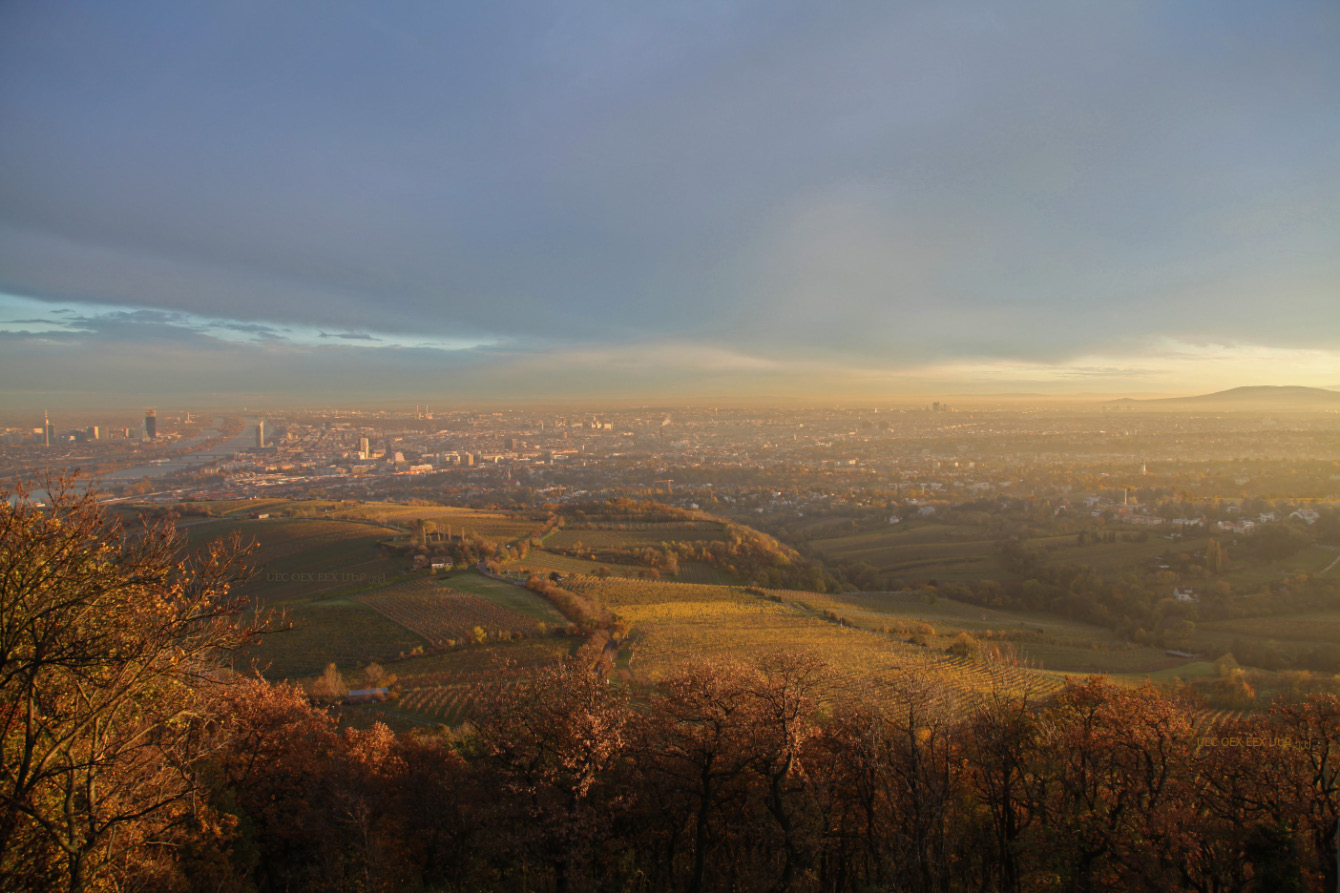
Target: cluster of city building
(768, 459)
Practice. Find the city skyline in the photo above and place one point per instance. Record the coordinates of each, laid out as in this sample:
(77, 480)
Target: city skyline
(235, 205)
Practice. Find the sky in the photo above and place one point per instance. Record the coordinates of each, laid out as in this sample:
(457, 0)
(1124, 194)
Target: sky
(339, 203)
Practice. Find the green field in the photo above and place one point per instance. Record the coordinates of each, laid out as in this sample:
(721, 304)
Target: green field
(919, 551)
(508, 595)
(541, 562)
(1312, 559)
(1119, 556)
(1287, 634)
(922, 551)
(1313, 627)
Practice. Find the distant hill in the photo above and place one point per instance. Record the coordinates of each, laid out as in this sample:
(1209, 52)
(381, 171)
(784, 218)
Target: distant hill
(1266, 397)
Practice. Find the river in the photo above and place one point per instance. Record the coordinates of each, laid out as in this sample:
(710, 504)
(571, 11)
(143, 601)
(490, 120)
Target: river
(158, 470)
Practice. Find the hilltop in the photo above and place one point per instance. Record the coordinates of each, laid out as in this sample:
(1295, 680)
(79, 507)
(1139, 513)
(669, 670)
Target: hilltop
(1266, 397)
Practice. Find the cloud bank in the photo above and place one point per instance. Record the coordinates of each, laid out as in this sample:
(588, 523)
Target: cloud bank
(711, 198)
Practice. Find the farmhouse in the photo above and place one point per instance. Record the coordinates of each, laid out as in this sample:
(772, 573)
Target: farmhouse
(367, 695)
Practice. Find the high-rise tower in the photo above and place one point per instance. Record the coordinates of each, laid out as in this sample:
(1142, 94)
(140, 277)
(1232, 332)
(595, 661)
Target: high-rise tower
(151, 424)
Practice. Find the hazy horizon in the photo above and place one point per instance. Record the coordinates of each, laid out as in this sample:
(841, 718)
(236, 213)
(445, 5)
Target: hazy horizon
(228, 205)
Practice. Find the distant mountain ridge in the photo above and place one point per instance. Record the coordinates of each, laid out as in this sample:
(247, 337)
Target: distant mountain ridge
(1253, 395)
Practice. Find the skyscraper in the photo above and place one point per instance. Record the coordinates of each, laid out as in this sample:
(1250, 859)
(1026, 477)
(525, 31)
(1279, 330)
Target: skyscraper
(260, 434)
(151, 424)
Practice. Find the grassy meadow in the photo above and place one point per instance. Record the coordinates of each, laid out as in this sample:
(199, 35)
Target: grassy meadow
(543, 562)
(506, 595)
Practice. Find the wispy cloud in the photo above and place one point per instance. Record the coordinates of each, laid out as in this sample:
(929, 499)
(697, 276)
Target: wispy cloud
(350, 336)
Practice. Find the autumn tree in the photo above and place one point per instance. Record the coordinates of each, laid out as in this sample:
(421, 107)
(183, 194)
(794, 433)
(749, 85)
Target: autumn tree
(1003, 755)
(1215, 559)
(1306, 736)
(699, 749)
(322, 809)
(548, 746)
(1113, 800)
(110, 651)
(330, 685)
(787, 695)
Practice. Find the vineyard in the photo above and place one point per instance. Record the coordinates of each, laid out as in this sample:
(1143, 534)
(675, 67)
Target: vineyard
(1208, 722)
(1043, 641)
(670, 621)
(453, 686)
(919, 552)
(447, 617)
(336, 630)
(305, 558)
(476, 666)
(447, 704)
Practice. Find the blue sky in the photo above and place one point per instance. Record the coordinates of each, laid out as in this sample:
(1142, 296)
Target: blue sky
(437, 201)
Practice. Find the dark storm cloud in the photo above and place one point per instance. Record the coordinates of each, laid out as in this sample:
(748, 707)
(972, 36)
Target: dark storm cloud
(878, 184)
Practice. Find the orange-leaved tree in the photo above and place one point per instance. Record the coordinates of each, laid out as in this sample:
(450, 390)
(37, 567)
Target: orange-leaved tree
(110, 650)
